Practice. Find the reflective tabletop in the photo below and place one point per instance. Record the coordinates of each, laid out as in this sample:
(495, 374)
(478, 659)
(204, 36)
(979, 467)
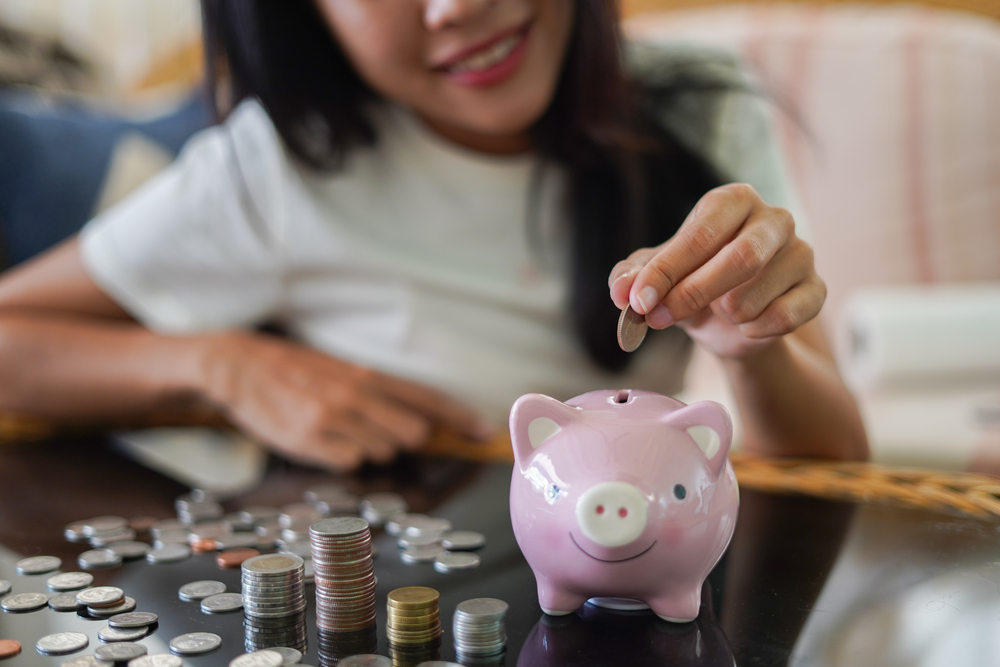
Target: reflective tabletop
(804, 581)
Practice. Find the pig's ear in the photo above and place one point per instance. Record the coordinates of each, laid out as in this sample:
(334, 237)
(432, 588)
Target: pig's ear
(709, 425)
(534, 419)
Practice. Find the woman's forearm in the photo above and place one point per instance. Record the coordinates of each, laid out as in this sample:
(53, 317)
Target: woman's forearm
(97, 370)
(793, 403)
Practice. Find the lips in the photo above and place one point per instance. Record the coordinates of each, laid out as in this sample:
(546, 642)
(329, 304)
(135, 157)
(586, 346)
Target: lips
(489, 62)
(616, 560)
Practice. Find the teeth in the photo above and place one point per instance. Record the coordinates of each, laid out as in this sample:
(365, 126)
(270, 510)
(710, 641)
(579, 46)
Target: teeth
(489, 57)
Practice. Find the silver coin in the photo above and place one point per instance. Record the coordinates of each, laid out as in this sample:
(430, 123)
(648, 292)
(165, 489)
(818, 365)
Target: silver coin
(258, 514)
(74, 532)
(423, 554)
(439, 663)
(237, 541)
(463, 540)
(100, 595)
(119, 651)
(396, 523)
(195, 643)
(450, 562)
(272, 564)
(84, 661)
(426, 526)
(103, 524)
(318, 492)
(169, 553)
(199, 590)
(407, 541)
(103, 540)
(156, 660)
(5, 587)
(69, 581)
(136, 619)
(262, 658)
(127, 605)
(24, 601)
(289, 656)
(62, 643)
(171, 537)
(64, 602)
(632, 329)
(130, 549)
(221, 603)
(365, 660)
(38, 565)
(481, 610)
(98, 558)
(339, 526)
(166, 525)
(110, 634)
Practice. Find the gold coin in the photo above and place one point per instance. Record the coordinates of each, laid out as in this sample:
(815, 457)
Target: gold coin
(413, 597)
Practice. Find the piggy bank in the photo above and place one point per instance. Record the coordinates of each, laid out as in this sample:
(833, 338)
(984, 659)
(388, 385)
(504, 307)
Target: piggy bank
(622, 494)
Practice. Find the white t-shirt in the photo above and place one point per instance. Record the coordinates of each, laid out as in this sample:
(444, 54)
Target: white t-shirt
(413, 259)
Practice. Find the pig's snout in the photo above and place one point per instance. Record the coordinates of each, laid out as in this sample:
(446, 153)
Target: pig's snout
(612, 514)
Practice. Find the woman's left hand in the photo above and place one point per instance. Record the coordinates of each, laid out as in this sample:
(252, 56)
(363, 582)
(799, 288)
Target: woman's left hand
(735, 276)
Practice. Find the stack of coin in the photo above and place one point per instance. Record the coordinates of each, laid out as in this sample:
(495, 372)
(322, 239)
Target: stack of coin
(413, 619)
(273, 586)
(261, 633)
(479, 628)
(335, 646)
(344, 574)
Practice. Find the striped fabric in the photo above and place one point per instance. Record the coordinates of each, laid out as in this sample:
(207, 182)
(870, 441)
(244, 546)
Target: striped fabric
(890, 120)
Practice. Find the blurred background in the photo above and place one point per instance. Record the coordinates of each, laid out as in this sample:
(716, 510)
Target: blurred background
(888, 115)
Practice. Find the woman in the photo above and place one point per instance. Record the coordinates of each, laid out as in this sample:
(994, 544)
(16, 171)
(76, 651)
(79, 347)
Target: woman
(431, 197)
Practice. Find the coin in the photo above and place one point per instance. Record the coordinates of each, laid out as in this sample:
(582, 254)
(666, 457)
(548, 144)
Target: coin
(199, 590)
(289, 656)
(24, 602)
(195, 643)
(104, 540)
(5, 587)
(258, 514)
(141, 524)
(166, 525)
(74, 532)
(238, 541)
(463, 540)
(418, 527)
(461, 560)
(103, 524)
(632, 329)
(221, 603)
(420, 554)
(232, 558)
(156, 660)
(135, 619)
(110, 634)
(126, 605)
(84, 661)
(69, 581)
(100, 596)
(62, 643)
(169, 553)
(130, 549)
(413, 597)
(64, 602)
(365, 660)
(377, 507)
(9, 648)
(98, 558)
(119, 651)
(262, 658)
(38, 565)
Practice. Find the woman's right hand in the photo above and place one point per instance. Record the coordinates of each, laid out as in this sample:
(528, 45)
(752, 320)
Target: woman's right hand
(320, 410)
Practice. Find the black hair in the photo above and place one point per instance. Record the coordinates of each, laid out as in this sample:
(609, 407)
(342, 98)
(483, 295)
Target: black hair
(631, 182)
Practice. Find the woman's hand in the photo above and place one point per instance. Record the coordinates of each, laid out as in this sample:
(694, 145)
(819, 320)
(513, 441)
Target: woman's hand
(735, 276)
(321, 410)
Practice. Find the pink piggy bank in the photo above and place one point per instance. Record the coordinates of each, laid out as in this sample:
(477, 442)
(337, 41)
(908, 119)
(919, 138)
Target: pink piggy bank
(625, 494)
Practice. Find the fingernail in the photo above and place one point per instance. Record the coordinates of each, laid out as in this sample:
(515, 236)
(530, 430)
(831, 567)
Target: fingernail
(647, 298)
(619, 279)
(659, 317)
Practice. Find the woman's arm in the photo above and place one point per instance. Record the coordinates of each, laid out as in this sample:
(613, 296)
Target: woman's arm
(742, 284)
(69, 353)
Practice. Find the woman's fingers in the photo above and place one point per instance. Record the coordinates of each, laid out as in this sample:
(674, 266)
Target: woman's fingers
(433, 405)
(790, 266)
(789, 311)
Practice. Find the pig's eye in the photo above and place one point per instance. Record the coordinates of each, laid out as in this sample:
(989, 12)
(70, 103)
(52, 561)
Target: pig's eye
(552, 493)
(679, 491)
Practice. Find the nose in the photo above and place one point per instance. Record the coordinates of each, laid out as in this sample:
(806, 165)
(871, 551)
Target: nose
(612, 514)
(440, 14)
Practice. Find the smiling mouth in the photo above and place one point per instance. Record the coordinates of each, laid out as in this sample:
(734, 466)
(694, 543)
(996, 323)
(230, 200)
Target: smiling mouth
(620, 560)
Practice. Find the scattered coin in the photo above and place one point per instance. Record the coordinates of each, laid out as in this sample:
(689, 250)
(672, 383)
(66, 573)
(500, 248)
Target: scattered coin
(260, 514)
(98, 558)
(166, 525)
(126, 605)
(69, 581)
(5, 587)
(632, 329)
(396, 523)
(130, 549)
(451, 562)
(222, 603)
(38, 565)
(110, 634)
(84, 661)
(9, 648)
(320, 492)
(463, 540)
(365, 660)
(64, 602)
(195, 643)
(262, 658)
(119, 651)
(100, 596)
(199, 590)
(407, 541)
(238, 541)
(422, 554)
(24, 602)
(104, 540)
(141, 524)
(169, 553)
(419, 527)
(62, 643)
(233, 558)
(156, 660)
(103, 524)
(136, 619)
(74, 532)
(377, 507)
(289, 656)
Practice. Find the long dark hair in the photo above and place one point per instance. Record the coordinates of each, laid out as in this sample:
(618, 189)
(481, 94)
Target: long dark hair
(632, 182)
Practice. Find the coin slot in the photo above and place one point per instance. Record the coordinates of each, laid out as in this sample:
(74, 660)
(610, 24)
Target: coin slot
(623, 396)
